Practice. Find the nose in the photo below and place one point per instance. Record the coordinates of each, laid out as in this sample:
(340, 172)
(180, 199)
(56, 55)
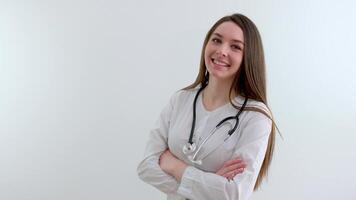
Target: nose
(222, 50)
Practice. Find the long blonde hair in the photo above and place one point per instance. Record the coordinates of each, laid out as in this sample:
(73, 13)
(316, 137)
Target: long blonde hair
(250, 79)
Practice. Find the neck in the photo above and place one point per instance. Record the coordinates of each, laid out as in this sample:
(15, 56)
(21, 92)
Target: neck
(216, 93)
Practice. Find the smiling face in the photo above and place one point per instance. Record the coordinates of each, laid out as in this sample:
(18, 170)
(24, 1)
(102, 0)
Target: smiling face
(224, 51)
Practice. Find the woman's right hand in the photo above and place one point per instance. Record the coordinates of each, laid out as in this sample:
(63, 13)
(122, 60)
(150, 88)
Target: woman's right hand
(231, 168)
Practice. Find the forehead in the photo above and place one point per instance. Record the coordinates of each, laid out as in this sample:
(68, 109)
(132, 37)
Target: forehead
(229, 30)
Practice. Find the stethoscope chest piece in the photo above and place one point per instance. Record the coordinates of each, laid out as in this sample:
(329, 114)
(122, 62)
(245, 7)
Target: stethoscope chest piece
(189, 148)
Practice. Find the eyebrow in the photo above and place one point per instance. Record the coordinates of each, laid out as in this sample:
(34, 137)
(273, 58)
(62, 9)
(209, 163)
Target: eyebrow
(234, 40)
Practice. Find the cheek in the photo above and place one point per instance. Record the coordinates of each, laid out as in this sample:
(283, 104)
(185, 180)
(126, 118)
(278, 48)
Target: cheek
(209, 49)
(238, 60)
(206, 57)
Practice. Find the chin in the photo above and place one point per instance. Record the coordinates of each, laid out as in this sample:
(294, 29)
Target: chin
(220, 76)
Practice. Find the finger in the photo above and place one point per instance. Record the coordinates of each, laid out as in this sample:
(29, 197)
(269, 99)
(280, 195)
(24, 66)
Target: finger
(223, 169)
(235, 170)
(232, 174)
(231, 162)
(235, 167)
(231, 168)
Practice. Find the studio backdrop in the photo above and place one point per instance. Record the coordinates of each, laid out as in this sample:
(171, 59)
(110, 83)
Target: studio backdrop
(82, 83)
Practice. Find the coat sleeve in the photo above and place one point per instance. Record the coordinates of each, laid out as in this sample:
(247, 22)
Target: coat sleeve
(148, 169)
(251, 147)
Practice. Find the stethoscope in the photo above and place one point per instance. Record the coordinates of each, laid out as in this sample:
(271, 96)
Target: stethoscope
(191, 146)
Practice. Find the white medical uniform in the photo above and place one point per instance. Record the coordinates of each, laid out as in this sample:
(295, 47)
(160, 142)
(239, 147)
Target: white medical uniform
(199, 182)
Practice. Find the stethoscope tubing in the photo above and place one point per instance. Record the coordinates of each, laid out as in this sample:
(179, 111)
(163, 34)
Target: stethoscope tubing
(209, 136)
(191, 146)
(236, 117)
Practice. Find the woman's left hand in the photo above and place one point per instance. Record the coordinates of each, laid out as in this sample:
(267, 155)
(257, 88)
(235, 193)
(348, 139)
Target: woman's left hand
(172, 165)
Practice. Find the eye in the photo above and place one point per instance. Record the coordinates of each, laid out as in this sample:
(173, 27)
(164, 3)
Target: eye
(236, 47)
(216, 40)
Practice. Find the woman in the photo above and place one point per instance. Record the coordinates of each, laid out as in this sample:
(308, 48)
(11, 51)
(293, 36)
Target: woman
(215, 138)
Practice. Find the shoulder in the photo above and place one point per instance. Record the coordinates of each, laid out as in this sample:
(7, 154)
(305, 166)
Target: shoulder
(258, 117)
(183, 96)
(255, 106)
(259, 106)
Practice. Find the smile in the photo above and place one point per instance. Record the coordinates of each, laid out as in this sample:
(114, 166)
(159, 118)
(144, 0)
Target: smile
(220, 63)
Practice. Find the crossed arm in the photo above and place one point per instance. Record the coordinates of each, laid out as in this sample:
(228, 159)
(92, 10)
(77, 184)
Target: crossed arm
(234, 180)
(175, 167)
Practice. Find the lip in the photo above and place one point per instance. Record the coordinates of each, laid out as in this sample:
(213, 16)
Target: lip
(220, 63)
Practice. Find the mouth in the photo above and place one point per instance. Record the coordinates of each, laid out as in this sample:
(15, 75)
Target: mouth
(219, 63)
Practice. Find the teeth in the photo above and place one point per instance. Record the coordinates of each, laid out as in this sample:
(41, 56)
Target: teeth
(219, 63)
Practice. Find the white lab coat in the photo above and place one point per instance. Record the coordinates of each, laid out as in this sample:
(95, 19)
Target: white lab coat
(199, 182)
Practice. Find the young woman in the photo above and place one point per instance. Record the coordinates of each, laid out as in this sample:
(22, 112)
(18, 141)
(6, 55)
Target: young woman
(215, 138)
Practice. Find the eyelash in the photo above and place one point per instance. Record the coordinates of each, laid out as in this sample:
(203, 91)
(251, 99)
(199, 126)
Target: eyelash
(216, 40)
(235, 47)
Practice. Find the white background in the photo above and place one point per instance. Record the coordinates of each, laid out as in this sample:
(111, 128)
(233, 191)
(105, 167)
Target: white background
(82, 82)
